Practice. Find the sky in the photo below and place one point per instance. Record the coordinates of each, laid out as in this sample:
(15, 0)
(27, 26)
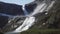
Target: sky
(19, 2)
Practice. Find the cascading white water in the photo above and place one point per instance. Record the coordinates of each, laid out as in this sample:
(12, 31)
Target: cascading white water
(29, 21)
(40, 8)
(25, 11)
(50, 6)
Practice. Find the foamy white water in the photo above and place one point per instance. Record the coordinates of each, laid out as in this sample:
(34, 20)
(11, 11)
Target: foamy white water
(29, 21)
(40, 8)
(25, 11)
(50, 6)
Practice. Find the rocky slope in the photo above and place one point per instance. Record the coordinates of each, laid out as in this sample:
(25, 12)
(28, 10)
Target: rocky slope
(8, 9)
(49, 20)
(11, 9)
(44, 21)
(30, 7)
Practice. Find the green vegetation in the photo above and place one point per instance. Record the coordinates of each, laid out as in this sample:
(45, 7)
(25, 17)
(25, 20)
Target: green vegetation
(42, 31)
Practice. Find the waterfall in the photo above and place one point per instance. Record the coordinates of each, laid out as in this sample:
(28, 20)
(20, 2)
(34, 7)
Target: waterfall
(25, 11)
(40, 8)
(29, 21)
(50, 6)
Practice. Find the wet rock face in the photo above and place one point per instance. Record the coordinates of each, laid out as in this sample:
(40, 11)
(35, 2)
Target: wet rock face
(3, 21)
(11, 9)
(30, 7)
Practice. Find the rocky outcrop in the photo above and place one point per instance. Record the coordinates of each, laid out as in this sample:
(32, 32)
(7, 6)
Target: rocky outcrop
(11, 9)
(47, 21)
(50, 20)
(30, 7)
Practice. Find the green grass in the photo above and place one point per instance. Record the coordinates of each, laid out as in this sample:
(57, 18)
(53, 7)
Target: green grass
(42, 31)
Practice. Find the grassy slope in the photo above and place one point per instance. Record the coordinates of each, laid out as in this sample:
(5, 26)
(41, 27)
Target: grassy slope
(42, 31)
